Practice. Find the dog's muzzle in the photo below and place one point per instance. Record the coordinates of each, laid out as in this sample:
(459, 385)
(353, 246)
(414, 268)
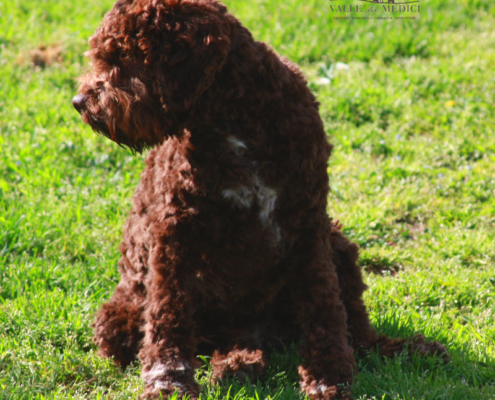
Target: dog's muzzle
(79, 102)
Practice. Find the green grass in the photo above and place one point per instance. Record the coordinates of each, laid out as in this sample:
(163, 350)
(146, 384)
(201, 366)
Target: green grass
(413, 178)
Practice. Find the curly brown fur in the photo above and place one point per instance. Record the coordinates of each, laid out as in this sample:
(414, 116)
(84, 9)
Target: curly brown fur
(240, 362)
(228, 246)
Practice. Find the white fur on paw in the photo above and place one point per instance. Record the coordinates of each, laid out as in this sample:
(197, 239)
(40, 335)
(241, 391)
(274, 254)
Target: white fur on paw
(161, 369)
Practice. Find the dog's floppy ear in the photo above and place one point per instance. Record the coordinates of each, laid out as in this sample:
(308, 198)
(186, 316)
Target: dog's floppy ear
(185, 43)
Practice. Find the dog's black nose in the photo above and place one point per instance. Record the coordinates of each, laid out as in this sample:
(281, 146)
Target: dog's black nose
(79, 101)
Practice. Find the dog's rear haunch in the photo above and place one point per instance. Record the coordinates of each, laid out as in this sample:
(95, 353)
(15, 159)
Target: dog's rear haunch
(228, 249)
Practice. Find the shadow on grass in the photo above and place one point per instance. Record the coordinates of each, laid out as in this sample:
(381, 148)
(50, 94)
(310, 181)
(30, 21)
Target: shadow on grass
(402, 377)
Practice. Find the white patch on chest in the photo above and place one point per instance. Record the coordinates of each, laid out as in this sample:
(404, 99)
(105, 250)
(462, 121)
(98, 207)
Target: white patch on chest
(253, 192)
(245, 197)
(236, 144)
(264, 196)
(267, 197)
(241, 196)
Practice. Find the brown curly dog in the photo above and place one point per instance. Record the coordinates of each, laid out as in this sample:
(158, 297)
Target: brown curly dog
(228, 247)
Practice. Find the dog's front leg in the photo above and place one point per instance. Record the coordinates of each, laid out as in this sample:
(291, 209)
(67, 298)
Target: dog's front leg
(328, 359)
(167, 353)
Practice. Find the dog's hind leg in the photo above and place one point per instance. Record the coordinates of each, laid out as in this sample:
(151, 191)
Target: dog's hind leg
(363, 335)
(118, 322)
(344, 257)
(117, 328)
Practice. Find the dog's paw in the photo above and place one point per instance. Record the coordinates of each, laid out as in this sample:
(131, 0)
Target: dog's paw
(319, 391)
(243, 364)
(165, 389)
(163, 380)
(325, 387)
(419, 345)
(391, 347)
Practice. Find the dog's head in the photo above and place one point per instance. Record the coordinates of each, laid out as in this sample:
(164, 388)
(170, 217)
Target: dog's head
(151, 60)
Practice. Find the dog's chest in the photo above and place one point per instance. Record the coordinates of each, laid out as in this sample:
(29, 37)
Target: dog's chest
(222, 189)
(247, 192)
(216, 211)
(245, 239)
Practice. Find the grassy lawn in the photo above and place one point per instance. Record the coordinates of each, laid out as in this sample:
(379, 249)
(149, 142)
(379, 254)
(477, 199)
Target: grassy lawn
(410, 109)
